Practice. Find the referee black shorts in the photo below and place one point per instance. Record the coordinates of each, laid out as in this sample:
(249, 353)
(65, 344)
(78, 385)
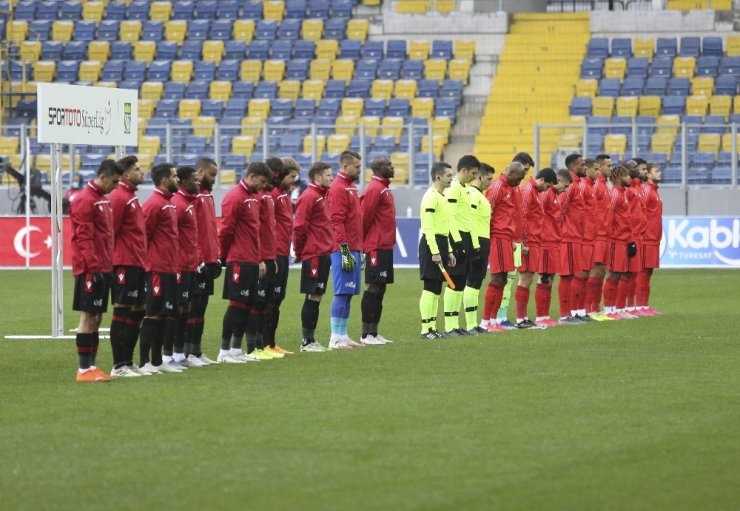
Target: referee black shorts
(379, 267)
(463, 262)
(428, 269)
(240, 282)
(161, 294)
(315, 275)
(91, 292)
(127, 286)
(478, 270)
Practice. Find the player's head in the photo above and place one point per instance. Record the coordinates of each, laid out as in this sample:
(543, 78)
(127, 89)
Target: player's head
(485, 176)
(258, 175)
(108, 174)
(441, 175)
(592, 168)
(632, 167)
(654, 174)
(467, 168)
(382, 167)
(574, 163)
(320, 174)
(186, 178)
(641, 167)
(621, 173)
(525, 159)
(349, 164)
(546, 178)
(564, 180)
(276, 169)
(131, 170)
(290, 174)
(604, 162)
(514, 173)
(206, 170)
(164, 177)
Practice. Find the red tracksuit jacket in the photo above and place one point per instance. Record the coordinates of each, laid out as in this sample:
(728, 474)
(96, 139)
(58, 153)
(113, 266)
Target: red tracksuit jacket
(532, 213)
(283, 221)
(92, 231)
(551, 206)
(345, 212)
(589, 210)
(188, 253)
(238, 238)
(637, 209)
(312, 229)
(654, 213)
(160, 219)
(504, 206)
(602, 209)
(378, 215)
(129, 246)
(267, 226)
(621, 230)
(205, 216)
(572, 212)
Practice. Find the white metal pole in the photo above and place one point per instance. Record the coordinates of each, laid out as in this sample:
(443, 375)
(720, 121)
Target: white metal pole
(57, 244)
(120, 152)
(734, 155)
(363, 157)
(412, 154)
(27, 206)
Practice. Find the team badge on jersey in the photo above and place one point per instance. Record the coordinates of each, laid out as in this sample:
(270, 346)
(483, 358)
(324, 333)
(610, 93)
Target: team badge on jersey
(156, 286)
(235, 273)
(121, 276)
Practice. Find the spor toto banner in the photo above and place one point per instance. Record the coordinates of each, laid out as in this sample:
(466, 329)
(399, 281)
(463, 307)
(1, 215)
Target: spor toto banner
(688, 242)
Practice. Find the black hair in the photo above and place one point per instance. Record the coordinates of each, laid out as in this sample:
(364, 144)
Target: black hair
(184, 173)
(316, 169)
(524, 159)
(347, 157)
(468, 162)
(108, 168)
(258, 168)
(205, 162)
(589, 162)
(600, 158)
(128, 162)
(572, 158)
(548, 175)
(161, 171)
(640, 161)
(378, 163)
(565, 174)
(277, 168)
(439, 169)
(486, 169)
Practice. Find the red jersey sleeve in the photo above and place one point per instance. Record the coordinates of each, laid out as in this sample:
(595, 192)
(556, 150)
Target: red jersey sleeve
(226, 232)
(82, 214)
(369, 202)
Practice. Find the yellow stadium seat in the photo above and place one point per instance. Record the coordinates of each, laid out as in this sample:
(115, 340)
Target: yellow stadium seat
(290, 89)
(459, 69)
(435, 69)
(30, 51)
(697, 105)
(17, 31)
(274, 70)
(243, 30)
(243, 144)
(346, 125)
(9, 145)
(733, 45)
(602, 106)
(145, 160)
(353, 106)
(570, 140)
(129, 31)
(727, 142)
(273, 10)
(181, 71)
(43, 162)
(107, 85)
(720, 105)
(615, 144)
(213, 51)
(189, 108)
(175, 30)
(327, 49)
(422, 107)
(442, 126)
(438, 143)
(98, 50)
(62, 31)
(615, 68)
(400, 166)
(412, 6)
(319, 69)
(90, 70)
(575, 125)
(405, 89)
(669, 124)
(93, 11)
(702, 85)
(203, 126)
(709, 143)
(313, 89)
(464, 49)
(220, 90)
(308, 144)
(259, 107)
(392, 126)
(445, 6)
(650, 106)
(228, 176)
(736, 105)
(683, 67)
(381, 89)
(250, 70)
(587, 88)
(252, 126)
(418, 49)
(357, 29)
(160, 11)
(627, 106)
(343, 69)
(337, 143)
(643, 47)
(663, 143)
(312, 29)
(43, 70)
(371, 125)
(147, 106)
(145, 50)
(149, 144)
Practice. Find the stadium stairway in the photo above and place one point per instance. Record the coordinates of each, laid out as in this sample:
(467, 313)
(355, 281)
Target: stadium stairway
(534, 82)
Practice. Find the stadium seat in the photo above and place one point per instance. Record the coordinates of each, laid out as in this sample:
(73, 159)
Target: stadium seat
(609, 87)
(327, 49)
(598, 47)
(707, 66)
(273, 10)
(372, 50)
(621, 47)
(674, 105)
(349, 49)
(320, 69)
(151, 90)
(633, 86)
(343, 69)
(679, 87)
(167, 50)
(357, 29)
(726, 85)
(130, 31)
(684, 67)
(656, 86)
(662, 66)
(182, 71)
(396, 49)
(600, 106)
(390, 69)
(435, 69)
(314, 89)
(418, 49)
(649, 106)
(159, 71)
(696, 105)
(637, 67)
(721, 106)
(627, 106)
(367, 69)
(591, 68)
(108, 30)
(615, 68)
(709, 143)
(666, 46)
(243, 30)
(382, 89)
(690, 46)
(580, 106)
(702, 86)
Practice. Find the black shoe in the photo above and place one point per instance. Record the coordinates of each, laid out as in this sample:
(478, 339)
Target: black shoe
(586, 318)
(431, 335)
(472, 331)
(570, 320)
(525, 323)
(440, 335)
(462, 332)
(480, 330)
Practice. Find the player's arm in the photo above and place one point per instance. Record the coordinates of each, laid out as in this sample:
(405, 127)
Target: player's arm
(84, 232)
(368, 206)
(299, 227)
(118, 206)
(226, 232)
(338, 211)
(471, 200)
(453, 198)
(429, 206)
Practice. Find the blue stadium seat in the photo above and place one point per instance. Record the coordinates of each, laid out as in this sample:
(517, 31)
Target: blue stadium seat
(108, 30)
(230, 127)
(75, 50)
(236, 107)
(662, 66)
(679, 87)
(197, 89)
(666, 47)
(305, 108)
(39, 30)
(51, 50)
(452, 89)
(598, 47)
(228, 70)
(638, 67)
(690, 46)
(656, 86)
(191, 50)
(297, 69)
(399, 108)
(350, 49)
(396, 49)
(372, 50)
(134, 70)
(721, 175)
(266, 30)
(138, 11)
(212, 108)
(120, 50)
(621, 125)
(389, 69)
(609, 87)
(252, 10)
(266, 89)
(621, 47)
(729, 66)
(445, 107)
(66, 71)
(366, 69)
(182, 10)
(115, 11)
(724, 158)
(441, 49)
(282, 108)
(726, 85)
(633, 86)
(235, 50)
(595, 142)
(712, 47)
(198, 30)
(335, 89)
(707, 66)
(290, 29)
(412, 70)
(295, 9)
(341, 8)
(358, 89)
(258, 50)
(715, 124)
(174, 90)
(91, 161)
(282, 50)
(205, 10)
(84, 30)
(329, 108)
(242, 90)
(113, 71)
(318, 9)
(159, 71)
(580, 106)
(47, 10)
(374, 107)
(597, 124)
(428, 88)
(204, 70)
(166, 50)
(152, 31)
(26, 11)
(304, 50)
(290, 144)
(335, 28)
(227, 10)
(674, 105)
(591, 68)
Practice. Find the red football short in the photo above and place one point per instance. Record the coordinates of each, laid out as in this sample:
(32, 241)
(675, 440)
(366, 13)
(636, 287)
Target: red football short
(549, 261)
(618, 259)
(587, 256)
(501, 256)
(635, 262)
(530, 260)
(601, 252)
(570, 259)
(651, 256)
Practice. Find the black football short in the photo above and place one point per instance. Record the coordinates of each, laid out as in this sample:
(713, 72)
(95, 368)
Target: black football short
(379, 267)
(161, 294)
(240, 282)
(281, 279)
(91, 292)
(315, 275)
(463, 261)
(478, 270)
(128, 285)
(428, 269)
(203, 282)
(185, 284)
(266, 285)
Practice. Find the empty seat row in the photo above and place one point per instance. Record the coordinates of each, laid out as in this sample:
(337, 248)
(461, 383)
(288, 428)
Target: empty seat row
(653, 106)
(659, 86)
(688, 46)
(639, 67)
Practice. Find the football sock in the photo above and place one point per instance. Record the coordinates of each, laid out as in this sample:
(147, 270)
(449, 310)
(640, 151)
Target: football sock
(309, 318)
(610, 294)
(488, 303)
(631, 289)
(170, 331)
(452, 301)
(182, 325)
(599, 293)
(642, 293)
(118, 326)
(542, 299)
(622, 289)
(522, 300)
(195, 334)
(132, 334)
(470, 302)
(251, 328)
(428, 304)
(84, 344)
(369, 308)
(153, 331)
(593, 294)
(564, 295)
(576, 290)
(502, 314)
(494, 293)
(95, 344)
(269, 320)
(230, 322)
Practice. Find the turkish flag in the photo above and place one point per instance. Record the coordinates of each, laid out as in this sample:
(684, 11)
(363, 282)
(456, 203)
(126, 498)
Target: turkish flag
(14, 234)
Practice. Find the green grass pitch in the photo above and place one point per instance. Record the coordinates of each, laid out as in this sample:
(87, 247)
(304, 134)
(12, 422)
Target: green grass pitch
(638, 415)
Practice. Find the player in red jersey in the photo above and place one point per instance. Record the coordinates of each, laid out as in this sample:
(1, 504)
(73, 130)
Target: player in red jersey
(620, 244)
(602, 212)
(639, 224)
(239, 247)
(532, 213)
(379, 234)
(92, 247)
(651, 239)
(129, 256)
(205, 215)
(590, 220)
(159, 327)
(504, 207)
(312, 244)
(549, 261)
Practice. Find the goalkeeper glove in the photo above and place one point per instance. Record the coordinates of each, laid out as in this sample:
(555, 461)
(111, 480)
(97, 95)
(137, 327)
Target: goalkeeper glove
(348, 260)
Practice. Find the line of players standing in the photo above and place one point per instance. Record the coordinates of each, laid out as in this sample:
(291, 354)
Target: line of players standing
(570, 223)
(159, 260)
